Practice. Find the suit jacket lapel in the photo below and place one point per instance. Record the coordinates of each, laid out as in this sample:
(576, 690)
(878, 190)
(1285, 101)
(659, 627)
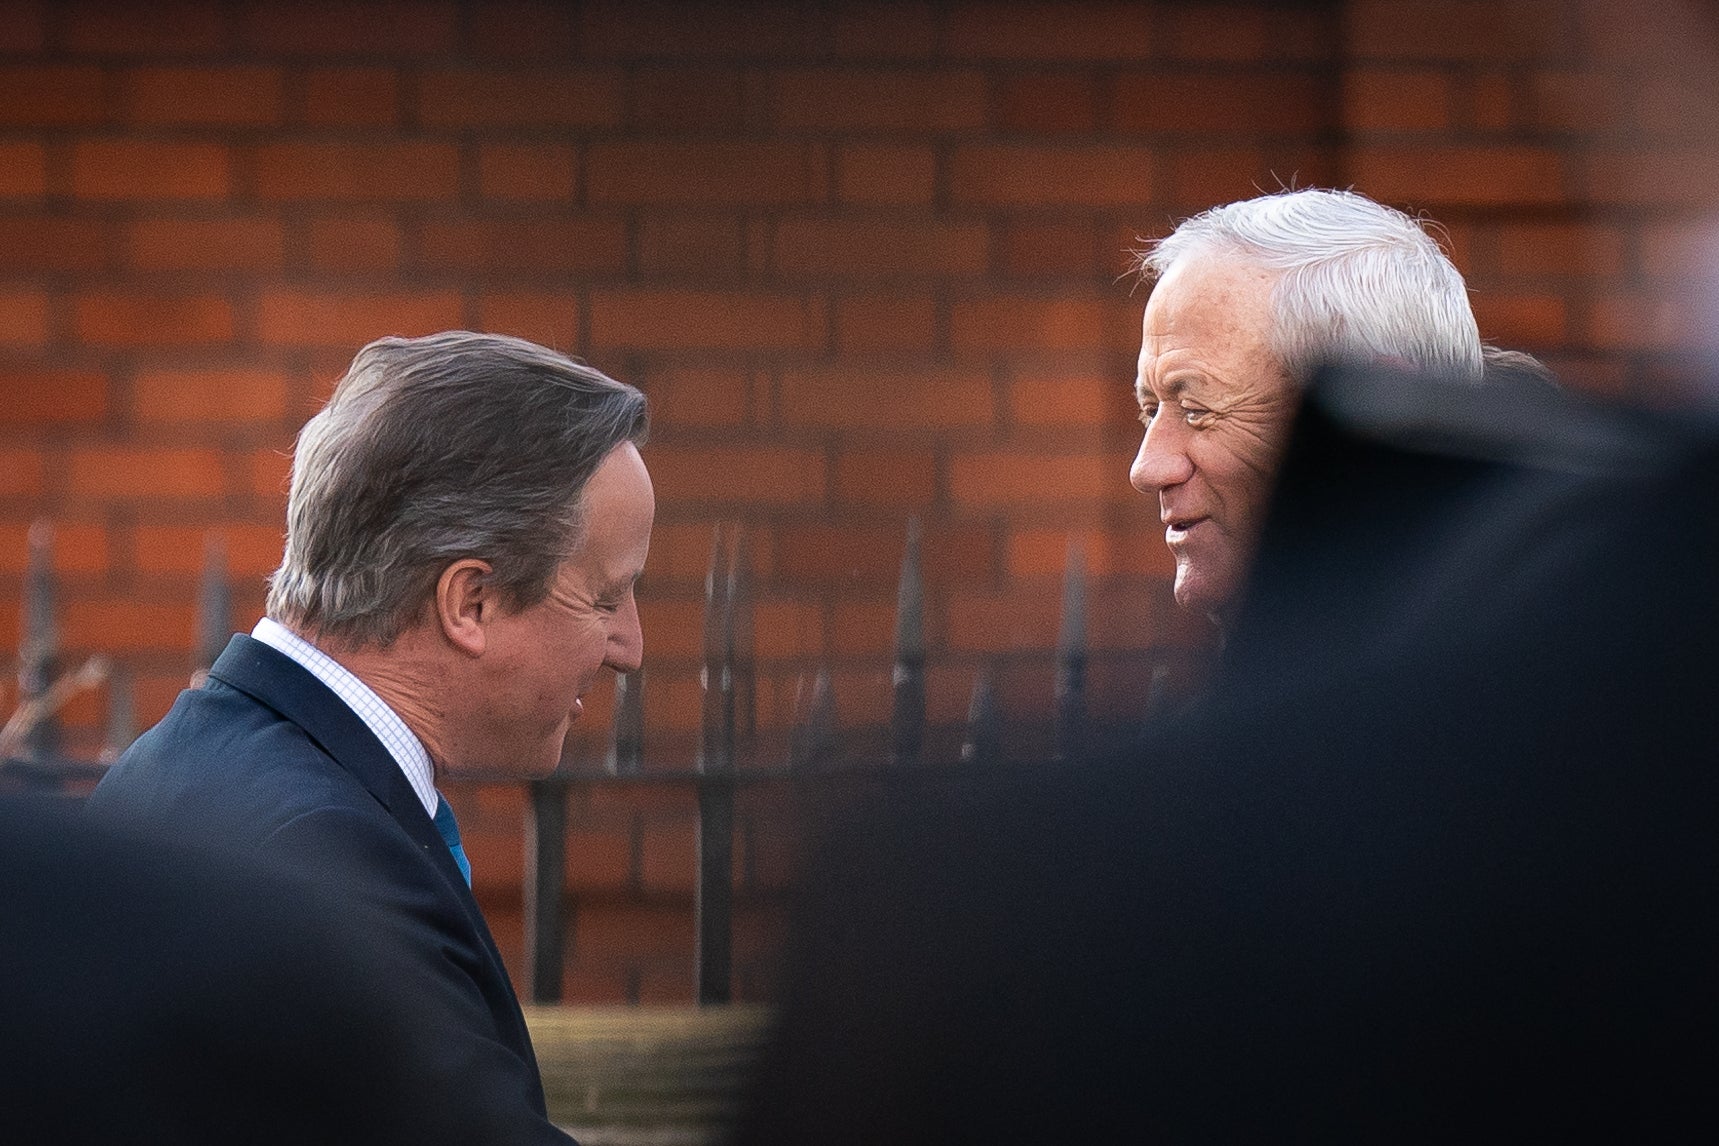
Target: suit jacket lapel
(280, 683)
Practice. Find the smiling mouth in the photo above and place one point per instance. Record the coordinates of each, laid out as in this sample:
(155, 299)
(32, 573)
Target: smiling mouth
(1178, 528)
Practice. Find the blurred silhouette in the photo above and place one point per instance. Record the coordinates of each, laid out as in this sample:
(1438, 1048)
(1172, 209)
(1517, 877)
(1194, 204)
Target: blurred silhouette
(1434, 861)
(150, 993)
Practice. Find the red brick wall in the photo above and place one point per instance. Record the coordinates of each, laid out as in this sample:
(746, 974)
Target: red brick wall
(865, 258)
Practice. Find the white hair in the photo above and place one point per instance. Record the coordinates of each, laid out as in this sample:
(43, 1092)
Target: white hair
(1360, 281)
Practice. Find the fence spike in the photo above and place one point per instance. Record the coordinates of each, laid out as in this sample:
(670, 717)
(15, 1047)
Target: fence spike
(812, 743)
(984, 743)
(39, 648)
(907, 716)
(1071, 657)
(121, 714)
(743, 666)
(716, 677)
(627, 737)
(214, 605)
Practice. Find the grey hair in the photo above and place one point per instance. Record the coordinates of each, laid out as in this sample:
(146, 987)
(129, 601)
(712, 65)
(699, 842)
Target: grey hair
(435, 449)
(1360, 282)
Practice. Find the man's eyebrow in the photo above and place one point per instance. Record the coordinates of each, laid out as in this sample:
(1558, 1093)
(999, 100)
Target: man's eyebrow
(1172, 389)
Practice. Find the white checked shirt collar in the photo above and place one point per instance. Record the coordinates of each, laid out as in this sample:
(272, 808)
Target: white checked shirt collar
(406, 749)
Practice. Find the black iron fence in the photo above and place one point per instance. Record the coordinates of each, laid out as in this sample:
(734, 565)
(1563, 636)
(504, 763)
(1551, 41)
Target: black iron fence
(30, 753)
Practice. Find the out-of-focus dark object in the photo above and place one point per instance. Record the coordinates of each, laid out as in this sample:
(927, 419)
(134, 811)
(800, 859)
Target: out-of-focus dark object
(1434, 861)
(155, 994)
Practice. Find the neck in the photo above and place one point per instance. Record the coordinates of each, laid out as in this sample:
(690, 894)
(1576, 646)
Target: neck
(404, 675)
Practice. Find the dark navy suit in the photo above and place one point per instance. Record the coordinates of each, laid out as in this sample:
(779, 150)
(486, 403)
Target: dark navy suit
(265, 758)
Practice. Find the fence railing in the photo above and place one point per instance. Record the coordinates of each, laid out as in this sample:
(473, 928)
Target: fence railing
(30, 748)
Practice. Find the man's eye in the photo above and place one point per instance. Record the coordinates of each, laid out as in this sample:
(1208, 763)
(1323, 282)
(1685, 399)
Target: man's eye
(1195, 416)
(1147, 413)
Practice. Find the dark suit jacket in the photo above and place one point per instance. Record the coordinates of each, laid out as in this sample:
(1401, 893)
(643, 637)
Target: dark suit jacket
(264, 758)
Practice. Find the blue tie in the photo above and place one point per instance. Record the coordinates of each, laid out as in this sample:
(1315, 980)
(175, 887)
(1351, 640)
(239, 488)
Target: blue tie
(450, 830)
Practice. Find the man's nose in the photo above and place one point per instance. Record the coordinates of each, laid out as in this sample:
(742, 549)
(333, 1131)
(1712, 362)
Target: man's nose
(626, 649)
(1162, 460)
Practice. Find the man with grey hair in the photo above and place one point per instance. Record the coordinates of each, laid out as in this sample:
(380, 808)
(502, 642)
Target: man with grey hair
(1248, 299)
(467, 518)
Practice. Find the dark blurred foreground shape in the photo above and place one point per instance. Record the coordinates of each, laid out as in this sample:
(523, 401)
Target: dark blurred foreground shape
(154, 994)
(1434, 861)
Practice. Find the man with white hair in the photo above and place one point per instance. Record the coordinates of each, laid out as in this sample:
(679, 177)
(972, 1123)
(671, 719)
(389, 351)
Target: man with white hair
(1248, 299)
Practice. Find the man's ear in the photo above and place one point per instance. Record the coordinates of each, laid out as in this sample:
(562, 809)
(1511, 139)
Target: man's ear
(465, 604)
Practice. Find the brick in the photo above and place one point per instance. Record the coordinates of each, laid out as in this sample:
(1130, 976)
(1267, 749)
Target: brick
(856, 554)
(1652, 177)
(251, 550)
(1460, 29)
(527, 172)
(1044, 553)
(669, 856)
(860, 247)
(989, 325)
(1648, 322)
(698, 28)
(354, 243)
(1522, 319)
(46, 243)
(900, 401)
(1467, 176)
(1043, 30)
(266, 473)
(1211, 175)
(1044, 176)
(1018, 478)
(120, 626)
(737, 173)
(369, 172)
(345, 27)
(1219, 33)
(1075, 400)
(863, 28)
(994, 622)
(21, 475)
(854, 99)
(587, 97)
(895, 321)
(789, 630)
(681, 99)
(146, 169)
(525, 246)
(23, 170)
(1292, 103)
(896, 479)
(1676, 106)
(1680, 249)
(204, 244)
(547, 318)
(599, 858)
(1391, 99)
(1061, 249)
(204, 96)
(78, 547)
(1489, 102)
(134, 319)
(349, 320)
(703, 398)
(701, 245)
(24, 29)
(128, 472)
(39, 397)
(1587, 101)
(673, 628)
(1048, 104)
(351, 97)
(706, 320)
(229, 396)
(1577, 250)
(23, 317)
(755, 475)
(524, 30)
(886, 174)
(112, 27)
(50, 95)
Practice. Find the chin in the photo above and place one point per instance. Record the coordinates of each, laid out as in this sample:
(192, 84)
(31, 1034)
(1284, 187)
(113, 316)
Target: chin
(1201, 592)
